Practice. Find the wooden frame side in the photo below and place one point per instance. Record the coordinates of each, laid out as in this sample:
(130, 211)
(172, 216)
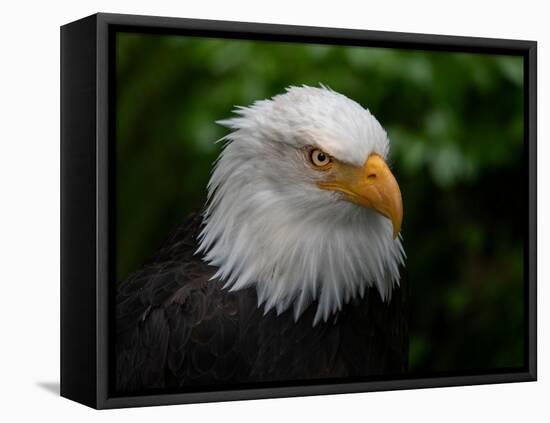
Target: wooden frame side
(78, 211)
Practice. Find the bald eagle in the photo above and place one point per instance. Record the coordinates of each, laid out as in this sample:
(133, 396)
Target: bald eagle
(288, 272)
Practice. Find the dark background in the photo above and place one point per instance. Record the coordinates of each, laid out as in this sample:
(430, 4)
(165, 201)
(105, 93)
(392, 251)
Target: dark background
(455, 121)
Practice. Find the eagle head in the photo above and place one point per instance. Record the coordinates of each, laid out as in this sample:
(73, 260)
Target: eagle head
(302, 205)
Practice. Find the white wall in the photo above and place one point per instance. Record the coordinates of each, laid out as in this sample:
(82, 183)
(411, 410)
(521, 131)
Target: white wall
(29, 193)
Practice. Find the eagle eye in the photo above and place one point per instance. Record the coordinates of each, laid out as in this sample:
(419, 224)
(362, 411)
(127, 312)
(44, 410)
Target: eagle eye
(319, 158)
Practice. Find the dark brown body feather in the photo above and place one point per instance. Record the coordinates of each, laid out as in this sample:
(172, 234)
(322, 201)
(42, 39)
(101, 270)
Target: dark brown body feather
(176, 328)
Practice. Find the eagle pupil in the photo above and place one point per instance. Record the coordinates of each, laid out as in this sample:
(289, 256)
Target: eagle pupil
(321, 157)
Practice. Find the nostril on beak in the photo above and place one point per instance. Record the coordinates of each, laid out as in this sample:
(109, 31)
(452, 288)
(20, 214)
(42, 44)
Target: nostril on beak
(371, 176)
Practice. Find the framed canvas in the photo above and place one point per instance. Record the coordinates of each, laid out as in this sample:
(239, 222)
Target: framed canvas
(256, 211)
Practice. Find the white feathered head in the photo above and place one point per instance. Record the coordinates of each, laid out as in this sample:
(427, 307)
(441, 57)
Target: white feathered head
(302, 204)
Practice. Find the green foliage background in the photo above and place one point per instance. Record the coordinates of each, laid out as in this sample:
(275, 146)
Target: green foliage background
(455, 121)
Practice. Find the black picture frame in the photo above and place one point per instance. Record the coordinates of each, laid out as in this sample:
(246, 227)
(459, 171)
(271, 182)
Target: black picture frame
(86, 198)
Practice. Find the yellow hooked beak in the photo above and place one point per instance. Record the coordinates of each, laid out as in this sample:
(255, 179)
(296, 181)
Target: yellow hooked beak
(372, 185)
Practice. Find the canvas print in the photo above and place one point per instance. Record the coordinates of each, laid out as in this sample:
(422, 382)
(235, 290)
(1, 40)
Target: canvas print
(292, 213)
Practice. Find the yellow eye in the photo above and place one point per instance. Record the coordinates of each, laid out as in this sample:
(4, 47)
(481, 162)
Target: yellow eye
(319, 158)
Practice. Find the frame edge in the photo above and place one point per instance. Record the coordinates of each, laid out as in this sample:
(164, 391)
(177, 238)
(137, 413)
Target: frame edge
(78, 212)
